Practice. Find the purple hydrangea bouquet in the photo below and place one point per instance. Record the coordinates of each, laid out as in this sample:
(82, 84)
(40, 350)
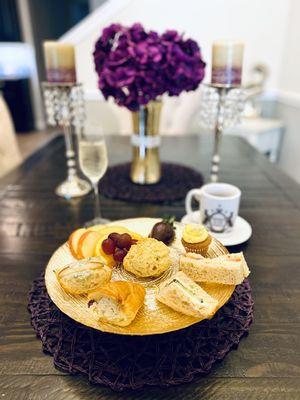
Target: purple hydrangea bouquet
(135, 66)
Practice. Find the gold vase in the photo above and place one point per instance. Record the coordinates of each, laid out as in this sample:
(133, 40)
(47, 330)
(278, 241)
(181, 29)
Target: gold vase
(145, 166)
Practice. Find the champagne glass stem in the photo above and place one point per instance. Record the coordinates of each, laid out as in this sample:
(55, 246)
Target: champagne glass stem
(97, 201)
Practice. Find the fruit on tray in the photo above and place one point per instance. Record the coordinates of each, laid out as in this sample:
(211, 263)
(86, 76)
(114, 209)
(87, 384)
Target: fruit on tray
(106, 230)
(115, 246)
(108, 246)
(87, 244)
(74, 240)
(164, 230)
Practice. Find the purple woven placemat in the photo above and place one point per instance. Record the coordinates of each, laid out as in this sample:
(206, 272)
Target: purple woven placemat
(176, 181)
(133, 362)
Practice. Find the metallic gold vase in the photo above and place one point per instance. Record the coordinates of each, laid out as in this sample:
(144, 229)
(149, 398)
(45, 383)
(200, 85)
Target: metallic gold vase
(145, 166)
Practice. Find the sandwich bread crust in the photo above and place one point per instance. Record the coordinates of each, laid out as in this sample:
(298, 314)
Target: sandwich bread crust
(229, 269)
(183, 295)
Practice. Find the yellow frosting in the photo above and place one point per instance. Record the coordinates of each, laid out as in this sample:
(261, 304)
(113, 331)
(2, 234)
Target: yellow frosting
(194, 233)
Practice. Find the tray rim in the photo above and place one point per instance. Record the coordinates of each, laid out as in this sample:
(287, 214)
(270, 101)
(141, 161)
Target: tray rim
(111, 331)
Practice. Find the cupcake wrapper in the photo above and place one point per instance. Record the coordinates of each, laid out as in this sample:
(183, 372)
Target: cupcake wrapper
(197, 248)
(202, 251)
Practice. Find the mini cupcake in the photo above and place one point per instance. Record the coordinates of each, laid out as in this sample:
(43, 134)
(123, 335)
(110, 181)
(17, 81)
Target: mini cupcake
(196, 239)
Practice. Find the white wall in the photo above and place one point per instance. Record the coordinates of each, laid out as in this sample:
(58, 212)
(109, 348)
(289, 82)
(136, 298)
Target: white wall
(289, 95)
(261, 24)
(290, 72)
(270, 30)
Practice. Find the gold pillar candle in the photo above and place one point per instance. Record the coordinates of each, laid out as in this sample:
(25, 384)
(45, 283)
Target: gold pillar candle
(59, 62)
(227, 63)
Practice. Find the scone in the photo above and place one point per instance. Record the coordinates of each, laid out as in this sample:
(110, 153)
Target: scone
(196, 239)
(228, 269)
(183, 295)
(149, 257)
(117, 302)
(83, 277)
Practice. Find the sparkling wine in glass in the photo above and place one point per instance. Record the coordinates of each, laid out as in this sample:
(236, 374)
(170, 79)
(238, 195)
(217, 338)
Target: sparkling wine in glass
(93, 163)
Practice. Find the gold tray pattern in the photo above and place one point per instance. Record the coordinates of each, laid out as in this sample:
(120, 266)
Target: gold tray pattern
(154, 317)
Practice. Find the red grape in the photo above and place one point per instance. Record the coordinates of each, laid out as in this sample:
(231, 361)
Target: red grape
(124, 241)
(114, 236)
(108, 246)
(119, 254)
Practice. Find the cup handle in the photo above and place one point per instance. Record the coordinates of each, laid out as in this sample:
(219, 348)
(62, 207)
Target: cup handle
(189, 198)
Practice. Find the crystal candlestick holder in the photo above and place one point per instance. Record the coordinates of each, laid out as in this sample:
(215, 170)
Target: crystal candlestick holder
(64, 105)
(221, 108)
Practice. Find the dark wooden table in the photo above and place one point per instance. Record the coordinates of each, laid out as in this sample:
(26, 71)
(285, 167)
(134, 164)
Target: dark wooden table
(34, 222)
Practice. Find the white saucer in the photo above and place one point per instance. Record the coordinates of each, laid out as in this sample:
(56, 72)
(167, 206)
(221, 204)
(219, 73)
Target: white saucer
(241, 232)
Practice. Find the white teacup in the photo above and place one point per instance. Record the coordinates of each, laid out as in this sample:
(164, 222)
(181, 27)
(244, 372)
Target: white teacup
(218, 205)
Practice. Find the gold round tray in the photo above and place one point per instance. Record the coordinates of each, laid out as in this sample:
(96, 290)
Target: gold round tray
(154, 317)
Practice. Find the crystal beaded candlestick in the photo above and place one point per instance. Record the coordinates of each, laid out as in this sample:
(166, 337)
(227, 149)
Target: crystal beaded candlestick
(64, 107)
(222, 106)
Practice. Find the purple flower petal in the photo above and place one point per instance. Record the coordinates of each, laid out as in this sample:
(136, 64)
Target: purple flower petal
(135, 66)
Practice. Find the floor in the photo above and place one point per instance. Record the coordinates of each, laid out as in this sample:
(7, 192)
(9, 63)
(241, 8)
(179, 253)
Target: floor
(29, 142)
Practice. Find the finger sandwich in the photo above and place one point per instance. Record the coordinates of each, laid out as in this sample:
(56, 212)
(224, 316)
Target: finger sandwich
(183, 295)
(228, 269)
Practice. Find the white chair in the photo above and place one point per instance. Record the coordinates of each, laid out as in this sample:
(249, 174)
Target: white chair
(10, 155)
(265, 134)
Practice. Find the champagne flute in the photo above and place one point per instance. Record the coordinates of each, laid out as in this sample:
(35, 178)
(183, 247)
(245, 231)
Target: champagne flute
(93, 163)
